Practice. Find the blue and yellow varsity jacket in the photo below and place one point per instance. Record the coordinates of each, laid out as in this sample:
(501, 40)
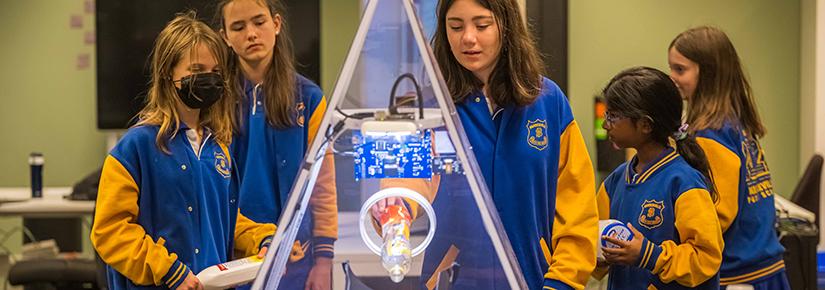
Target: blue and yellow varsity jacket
(668, 202)
(746, 204)
(535, 163)
(162, 216)
(268, 160)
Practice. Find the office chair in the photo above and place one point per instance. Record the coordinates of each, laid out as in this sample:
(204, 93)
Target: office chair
(48, 274)
(800, 245)
(806, 193)
(59, 273)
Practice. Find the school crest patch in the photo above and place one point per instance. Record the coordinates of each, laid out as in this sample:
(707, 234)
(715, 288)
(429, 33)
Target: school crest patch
(537, 134)
(222, 165)
(651, 216)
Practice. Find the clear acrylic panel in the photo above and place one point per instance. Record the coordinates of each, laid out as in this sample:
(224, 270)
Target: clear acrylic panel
(391, 129)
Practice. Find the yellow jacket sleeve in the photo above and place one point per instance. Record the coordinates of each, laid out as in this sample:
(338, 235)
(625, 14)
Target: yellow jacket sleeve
(251, 236)
(121, 242)
(324, 199)
(698, 255)
(575, 224)
(725, 168)
(603, 202)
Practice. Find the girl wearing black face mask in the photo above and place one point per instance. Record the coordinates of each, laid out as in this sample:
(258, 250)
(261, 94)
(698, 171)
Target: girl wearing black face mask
(165, 209)
(201, 90)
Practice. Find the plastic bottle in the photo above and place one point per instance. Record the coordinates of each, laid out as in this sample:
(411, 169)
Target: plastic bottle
(36, 161)
(395, 253)
(230, 274)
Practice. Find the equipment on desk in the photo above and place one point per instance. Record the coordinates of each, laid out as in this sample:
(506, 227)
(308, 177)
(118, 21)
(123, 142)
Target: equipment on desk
(230, 274)
(785, 209)
(86, 188)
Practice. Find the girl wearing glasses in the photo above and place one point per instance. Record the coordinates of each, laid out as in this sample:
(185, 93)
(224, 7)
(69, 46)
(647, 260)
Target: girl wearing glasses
(664, 194)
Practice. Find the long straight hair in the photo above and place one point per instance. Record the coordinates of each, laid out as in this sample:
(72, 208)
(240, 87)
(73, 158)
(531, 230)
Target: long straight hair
(516, 77)
(723, 93)
(183, 35)
(644, 92)
(279, 85)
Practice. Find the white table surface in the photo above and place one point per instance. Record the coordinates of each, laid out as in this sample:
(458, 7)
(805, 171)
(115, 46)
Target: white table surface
(18, 201)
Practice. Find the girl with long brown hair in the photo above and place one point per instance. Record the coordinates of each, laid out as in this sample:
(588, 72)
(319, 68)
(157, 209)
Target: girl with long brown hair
(528, 147)
(279, 112)
(721, 112)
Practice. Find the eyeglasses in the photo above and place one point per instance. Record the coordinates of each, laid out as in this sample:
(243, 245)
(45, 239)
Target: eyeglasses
(611, 118)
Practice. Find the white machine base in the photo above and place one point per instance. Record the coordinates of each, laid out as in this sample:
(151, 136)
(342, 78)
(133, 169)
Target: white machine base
(230, 274)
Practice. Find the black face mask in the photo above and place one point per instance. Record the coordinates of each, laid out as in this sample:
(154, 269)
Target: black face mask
(200, 91)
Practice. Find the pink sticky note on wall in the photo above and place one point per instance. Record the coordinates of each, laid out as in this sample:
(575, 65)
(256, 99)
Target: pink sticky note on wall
(76, 21)
(82, 61)
(89, 6)
(89, 38)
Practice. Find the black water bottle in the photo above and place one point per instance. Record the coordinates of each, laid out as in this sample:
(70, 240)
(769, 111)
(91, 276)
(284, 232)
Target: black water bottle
(36, 165)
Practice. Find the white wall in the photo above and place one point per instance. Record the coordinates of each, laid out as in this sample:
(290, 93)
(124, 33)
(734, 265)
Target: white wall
(819, 96)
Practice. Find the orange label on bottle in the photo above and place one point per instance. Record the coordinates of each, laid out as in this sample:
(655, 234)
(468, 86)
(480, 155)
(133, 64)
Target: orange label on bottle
(394, 214)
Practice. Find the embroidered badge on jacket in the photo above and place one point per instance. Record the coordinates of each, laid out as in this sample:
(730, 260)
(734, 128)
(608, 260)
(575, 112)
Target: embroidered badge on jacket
(651, 216)
(222, 164)
(537, 134)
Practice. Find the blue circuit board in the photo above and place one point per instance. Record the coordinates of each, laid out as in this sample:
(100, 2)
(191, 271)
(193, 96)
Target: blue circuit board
(408, 156)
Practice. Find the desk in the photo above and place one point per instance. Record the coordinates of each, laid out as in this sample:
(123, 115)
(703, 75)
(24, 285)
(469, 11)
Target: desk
(50, 216)
(17, 201)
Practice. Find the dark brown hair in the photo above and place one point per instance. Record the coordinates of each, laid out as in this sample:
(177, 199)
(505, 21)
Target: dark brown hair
(516, 77)
(640, 93)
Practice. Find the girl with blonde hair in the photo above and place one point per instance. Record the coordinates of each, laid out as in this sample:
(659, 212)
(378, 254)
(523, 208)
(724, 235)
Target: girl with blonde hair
(166, 209)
